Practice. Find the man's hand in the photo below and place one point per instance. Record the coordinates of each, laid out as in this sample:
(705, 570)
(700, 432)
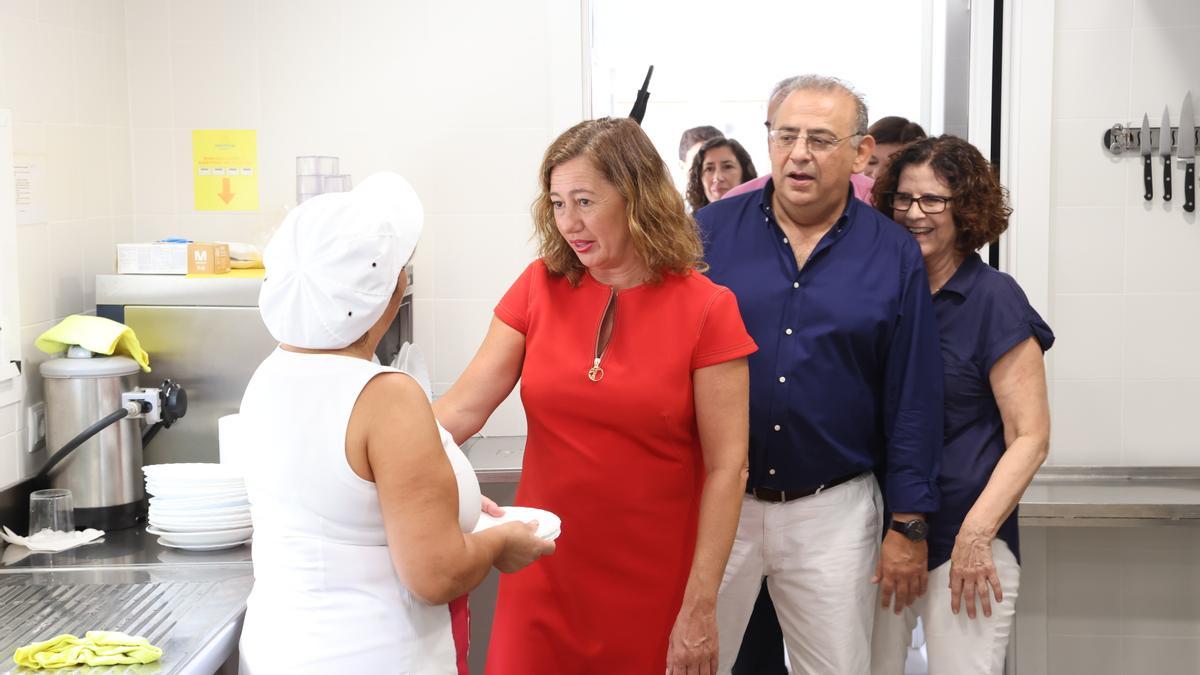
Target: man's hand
(692, 649)
(972, 571)
(902, 570)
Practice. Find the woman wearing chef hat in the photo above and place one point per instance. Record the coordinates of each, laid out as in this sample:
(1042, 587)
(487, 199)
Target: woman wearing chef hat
(362, 506)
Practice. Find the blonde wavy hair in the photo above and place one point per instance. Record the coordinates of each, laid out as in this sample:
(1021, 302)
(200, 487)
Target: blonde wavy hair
(663, 234)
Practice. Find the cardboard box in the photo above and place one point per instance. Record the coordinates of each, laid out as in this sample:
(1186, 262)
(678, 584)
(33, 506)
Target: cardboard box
(205, 258)
(173, 258)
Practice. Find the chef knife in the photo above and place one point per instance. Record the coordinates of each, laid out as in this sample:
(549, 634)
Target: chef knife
(1146, 151)
(1164, 149)
(1186, 152)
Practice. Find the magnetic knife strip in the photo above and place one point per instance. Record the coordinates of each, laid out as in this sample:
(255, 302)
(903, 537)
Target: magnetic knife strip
(1126, 140)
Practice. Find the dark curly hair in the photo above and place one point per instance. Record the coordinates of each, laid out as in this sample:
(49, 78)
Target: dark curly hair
(696, 197)
(980, 203)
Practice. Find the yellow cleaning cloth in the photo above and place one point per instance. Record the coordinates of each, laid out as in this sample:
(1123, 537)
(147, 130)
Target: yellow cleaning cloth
(97, 648)
(95, 334)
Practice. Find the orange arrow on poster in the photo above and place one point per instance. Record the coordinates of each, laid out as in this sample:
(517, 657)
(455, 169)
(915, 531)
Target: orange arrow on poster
(225, 194)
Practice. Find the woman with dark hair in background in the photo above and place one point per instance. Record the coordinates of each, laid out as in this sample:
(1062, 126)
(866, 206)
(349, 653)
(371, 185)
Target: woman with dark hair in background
(997, 419)
(890, 133)
(691, 140)
(721, 165)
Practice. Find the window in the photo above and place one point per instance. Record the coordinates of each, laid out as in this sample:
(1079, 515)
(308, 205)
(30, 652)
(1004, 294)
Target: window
(716, 62)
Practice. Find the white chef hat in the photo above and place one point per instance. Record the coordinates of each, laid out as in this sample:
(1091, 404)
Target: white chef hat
(334, 262)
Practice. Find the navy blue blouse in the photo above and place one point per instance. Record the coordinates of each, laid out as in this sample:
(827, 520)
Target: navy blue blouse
(982, 314)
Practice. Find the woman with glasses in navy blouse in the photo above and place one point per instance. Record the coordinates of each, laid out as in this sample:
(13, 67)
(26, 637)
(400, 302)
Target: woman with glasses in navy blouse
(997, 420)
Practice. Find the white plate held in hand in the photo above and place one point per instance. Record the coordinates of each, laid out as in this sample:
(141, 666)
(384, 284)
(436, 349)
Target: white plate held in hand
(549, 525)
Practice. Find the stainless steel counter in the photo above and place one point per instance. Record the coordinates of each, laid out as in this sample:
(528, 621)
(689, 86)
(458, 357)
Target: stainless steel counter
(122, 548)
(189, 604)
(497, 459)
(176, 289)
(1060, 496)
(1074, 496)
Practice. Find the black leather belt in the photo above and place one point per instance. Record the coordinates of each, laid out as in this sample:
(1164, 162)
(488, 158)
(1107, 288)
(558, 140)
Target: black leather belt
(767, 494)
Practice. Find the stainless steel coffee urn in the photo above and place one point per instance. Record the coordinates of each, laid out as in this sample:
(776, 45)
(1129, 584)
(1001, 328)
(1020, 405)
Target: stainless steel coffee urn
(94, 430)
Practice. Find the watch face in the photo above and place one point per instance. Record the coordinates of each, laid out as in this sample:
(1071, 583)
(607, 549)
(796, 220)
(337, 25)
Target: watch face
(916, 530)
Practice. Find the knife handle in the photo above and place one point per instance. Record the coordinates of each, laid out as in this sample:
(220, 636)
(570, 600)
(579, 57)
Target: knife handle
(1189, 186)
(1166, 178)
(1147, 177)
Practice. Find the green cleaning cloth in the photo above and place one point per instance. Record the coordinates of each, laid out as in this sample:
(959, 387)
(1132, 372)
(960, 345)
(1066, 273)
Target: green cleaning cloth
(95, 334)
(97, 648)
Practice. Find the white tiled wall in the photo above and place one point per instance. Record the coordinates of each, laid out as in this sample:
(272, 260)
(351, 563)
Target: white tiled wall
(436, 90)
(1125, 285)
(62, 72)
(1125, 373)
(460, 96)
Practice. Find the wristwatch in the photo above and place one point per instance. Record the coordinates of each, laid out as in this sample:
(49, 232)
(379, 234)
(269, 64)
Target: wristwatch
(915, 530)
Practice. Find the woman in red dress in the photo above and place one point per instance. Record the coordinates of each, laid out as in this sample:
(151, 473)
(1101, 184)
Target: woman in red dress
(634, 381)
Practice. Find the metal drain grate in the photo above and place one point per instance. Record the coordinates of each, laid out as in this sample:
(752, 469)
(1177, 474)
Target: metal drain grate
(31, 612)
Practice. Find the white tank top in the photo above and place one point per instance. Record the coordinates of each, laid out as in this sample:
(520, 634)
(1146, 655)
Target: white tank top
(326, 597)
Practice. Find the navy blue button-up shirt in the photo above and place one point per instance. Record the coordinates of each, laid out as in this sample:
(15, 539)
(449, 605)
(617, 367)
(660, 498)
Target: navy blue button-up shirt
(848, 376)
(982, 314)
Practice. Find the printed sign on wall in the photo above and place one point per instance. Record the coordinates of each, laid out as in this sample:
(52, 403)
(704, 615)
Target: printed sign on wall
(29, 174)
(225, 169)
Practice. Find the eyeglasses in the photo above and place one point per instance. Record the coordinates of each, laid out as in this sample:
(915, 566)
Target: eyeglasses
(930, 204)
(817, 144)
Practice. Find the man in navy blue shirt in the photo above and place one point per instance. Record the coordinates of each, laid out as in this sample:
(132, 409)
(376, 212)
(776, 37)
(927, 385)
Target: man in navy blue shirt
(846, 385)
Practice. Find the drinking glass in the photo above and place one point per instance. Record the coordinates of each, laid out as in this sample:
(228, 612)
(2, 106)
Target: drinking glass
(51, 509)
(339, 183)
(317, 165)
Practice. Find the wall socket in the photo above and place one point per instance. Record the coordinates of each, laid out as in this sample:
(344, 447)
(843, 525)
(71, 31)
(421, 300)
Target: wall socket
(35, 425)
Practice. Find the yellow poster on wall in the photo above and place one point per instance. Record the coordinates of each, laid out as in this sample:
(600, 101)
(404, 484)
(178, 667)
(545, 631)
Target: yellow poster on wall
(225, 169)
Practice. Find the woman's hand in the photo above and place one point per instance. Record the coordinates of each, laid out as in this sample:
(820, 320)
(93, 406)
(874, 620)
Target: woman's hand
(490, 507)
(522, 546)
(972, 571)
(692, 649)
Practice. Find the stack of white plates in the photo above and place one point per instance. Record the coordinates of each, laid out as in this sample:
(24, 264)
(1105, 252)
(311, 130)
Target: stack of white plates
(197, 507)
